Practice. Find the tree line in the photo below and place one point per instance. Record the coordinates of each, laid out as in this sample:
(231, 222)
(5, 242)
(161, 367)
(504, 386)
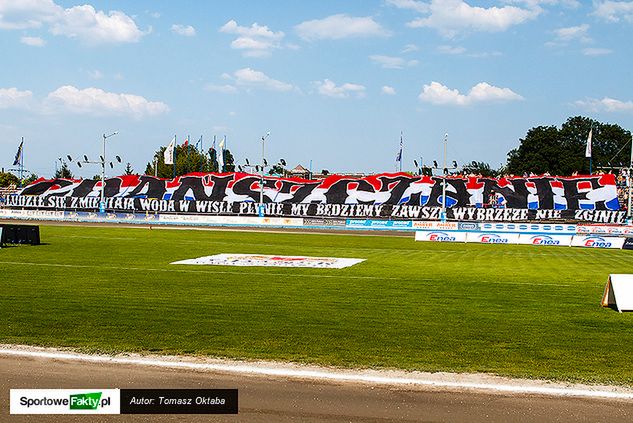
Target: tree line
(544, 149)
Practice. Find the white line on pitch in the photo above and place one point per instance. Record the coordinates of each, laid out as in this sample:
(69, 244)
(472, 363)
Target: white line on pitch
(322, 374)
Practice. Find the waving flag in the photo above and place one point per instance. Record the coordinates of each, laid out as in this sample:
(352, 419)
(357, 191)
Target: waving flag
(169, 152)
(221, 155)
(18, 155)
(588, 149)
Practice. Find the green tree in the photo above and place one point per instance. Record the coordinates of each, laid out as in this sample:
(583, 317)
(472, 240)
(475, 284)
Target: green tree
(188, 160)
(562, 151)
(64, 172)
(29, 179)
(128, 169)
(8, 179)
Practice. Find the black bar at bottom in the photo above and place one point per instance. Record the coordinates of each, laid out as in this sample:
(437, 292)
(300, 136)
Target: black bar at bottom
(179, 401)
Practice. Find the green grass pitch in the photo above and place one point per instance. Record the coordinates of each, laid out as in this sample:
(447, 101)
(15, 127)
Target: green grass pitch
(520, 311)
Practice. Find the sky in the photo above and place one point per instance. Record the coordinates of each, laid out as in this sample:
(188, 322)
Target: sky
(335, 82)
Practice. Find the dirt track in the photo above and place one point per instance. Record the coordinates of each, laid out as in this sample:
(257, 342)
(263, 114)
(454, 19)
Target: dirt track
(266, 399)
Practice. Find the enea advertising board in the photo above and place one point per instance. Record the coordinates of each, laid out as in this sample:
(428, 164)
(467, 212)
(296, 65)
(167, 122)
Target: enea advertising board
(492, 238)
(546, 239)
(596, 241)
(440, 236)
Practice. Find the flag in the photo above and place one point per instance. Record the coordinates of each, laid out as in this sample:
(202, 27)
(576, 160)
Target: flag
(169, 152)
(221, 155)
(18, 155)
(186, 143)
(199, 142)
(399, 155)
(588, 149)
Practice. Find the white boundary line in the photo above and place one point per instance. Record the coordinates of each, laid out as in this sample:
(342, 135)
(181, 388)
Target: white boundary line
(372, 377)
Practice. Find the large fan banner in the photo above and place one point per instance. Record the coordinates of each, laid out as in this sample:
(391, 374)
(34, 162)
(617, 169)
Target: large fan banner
(390, 195)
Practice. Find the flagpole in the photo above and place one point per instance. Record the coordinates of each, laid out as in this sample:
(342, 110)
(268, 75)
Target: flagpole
(175, 144)
(630, 178)
(201, 155)
(21, 162)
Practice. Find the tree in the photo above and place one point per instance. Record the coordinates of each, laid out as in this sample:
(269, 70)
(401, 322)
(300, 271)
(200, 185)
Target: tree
(8, 179)
(188, 159)
(562, 151)
(64, 172)
(29, 179)
(479, 168)
(128, 169)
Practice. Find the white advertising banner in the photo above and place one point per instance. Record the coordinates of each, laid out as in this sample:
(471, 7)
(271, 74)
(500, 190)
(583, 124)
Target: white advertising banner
(596, 241)
(440, 236)
(272, 261)
(492, 238)
(546, 239)
(605, 229)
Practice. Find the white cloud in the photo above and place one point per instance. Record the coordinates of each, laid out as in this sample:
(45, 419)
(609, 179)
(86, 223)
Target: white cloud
(33, 41)
(596, 51)
(573, 33)
(613, 11)
(451, 49)
(410, 48)
(414, 5)
(95, 101)
(391, 62)
(254, 41)
(79, 22)
(95, 74)
(387, 90)
(95, 27)
(436, 93)
(184, 30)
(570, 4)
(451, 17)
(606, 105)
(14, 98)
(224, 89)
(330, 89)
(23, 14)
(249, 78)
(340, 26)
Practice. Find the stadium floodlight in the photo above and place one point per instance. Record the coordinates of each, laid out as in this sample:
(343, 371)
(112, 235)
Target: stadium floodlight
(103, 162)
(261, 185)
(630, 182)
(443, 213)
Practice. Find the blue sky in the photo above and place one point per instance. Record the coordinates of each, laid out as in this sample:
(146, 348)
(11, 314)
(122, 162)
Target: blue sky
(333, 81)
